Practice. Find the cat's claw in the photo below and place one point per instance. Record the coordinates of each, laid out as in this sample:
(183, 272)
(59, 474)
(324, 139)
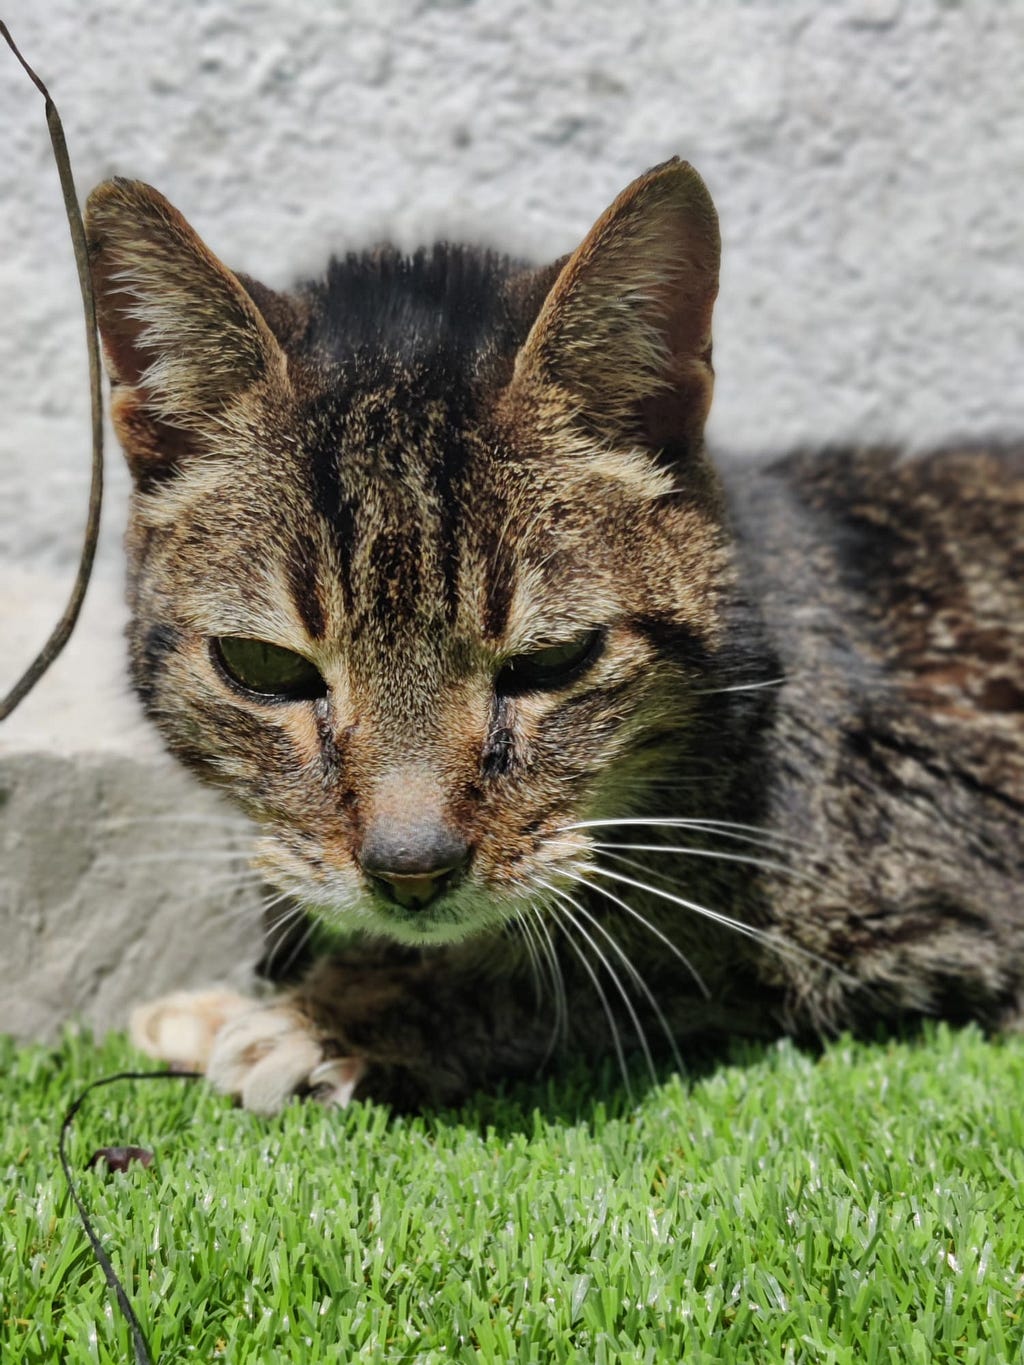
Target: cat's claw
(333, 1082)
(263, 1054)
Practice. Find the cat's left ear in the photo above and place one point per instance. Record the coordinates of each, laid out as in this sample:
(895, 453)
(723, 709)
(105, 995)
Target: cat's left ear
(181, 335)
(623, 340)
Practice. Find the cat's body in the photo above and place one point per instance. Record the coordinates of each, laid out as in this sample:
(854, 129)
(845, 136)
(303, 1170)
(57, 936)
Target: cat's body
(892, 591)
(429, 569)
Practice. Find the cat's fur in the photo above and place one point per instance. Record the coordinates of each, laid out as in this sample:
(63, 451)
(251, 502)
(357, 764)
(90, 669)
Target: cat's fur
(804, 708)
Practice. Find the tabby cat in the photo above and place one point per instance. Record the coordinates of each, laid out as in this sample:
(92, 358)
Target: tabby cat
(582, 744)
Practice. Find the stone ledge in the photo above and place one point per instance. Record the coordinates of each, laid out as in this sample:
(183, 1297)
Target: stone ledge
(119, 880)
(120, 877)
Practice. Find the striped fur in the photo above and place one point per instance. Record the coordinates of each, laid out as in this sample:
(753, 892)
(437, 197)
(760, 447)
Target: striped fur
(422, 468)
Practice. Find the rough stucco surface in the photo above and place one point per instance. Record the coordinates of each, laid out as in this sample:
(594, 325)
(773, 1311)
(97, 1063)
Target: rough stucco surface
(866, 160)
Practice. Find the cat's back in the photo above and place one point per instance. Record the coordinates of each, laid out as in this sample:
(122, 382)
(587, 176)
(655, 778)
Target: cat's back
(905, 575)
(891, 590)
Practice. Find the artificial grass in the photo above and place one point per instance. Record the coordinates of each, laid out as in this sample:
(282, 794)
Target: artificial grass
(858, 1206)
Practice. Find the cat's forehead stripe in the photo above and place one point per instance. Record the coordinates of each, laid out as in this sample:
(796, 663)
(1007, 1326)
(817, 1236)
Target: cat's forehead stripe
(451, 457)
(499, 590)
(304, 572)
(336, 508)
(394, 574)
(391, 494)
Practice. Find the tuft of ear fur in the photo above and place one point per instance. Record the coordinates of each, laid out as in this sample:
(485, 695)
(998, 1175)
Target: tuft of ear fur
(181, 335)
(625, 333)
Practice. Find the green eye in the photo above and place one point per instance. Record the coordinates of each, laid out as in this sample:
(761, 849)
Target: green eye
(261, 667)
(550, 668)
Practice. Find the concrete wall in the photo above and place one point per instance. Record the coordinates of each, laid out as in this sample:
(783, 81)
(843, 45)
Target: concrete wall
(867, 162)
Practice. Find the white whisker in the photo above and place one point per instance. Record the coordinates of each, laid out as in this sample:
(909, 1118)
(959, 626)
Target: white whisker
(173, 818)
(279, 929)
(641, 919)
(688, 851)
(228, 881)
(191, 857)
(525, 930)
(728, 829)
(557, 910)
(272, 901)
(636, 977)
(539, 961)
(561, 1025)
(759, 936)
(248, 908)
(566, 900)
(741, 687)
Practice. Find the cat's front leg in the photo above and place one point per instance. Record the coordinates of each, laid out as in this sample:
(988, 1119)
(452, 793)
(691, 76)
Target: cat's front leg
(409, 1033)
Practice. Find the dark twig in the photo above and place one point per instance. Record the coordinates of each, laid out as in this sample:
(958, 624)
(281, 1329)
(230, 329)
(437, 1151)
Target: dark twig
(139, 1344)
(62, 631)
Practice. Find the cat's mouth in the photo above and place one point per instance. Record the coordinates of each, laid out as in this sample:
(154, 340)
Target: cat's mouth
(421, 910)
(414, 891)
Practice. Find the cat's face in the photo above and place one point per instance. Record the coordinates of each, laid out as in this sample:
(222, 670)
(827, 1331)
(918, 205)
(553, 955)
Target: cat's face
(426, 591)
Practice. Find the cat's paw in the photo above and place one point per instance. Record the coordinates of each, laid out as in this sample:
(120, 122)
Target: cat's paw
(180, 1028)
(271, 1052)
(261, 1053)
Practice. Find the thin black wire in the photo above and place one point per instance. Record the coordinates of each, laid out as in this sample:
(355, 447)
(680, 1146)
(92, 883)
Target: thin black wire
(141, 1346)
(62, 631)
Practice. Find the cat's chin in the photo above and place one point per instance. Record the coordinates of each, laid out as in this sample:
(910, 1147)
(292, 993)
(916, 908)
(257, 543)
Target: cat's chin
(452, 920)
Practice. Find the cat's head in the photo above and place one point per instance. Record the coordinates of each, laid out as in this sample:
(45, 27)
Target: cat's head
(426, 560)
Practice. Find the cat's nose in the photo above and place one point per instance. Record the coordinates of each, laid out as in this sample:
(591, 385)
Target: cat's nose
(412, 861)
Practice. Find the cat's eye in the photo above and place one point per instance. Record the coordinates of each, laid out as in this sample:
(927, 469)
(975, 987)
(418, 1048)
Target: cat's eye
(552, 667)
(266, 669)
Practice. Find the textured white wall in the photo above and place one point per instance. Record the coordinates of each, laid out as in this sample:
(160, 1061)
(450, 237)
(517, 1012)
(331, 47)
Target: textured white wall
(867, 162)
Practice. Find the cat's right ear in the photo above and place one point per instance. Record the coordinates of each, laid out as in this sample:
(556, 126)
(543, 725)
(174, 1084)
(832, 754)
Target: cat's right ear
(181, 336)
(621, 347)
